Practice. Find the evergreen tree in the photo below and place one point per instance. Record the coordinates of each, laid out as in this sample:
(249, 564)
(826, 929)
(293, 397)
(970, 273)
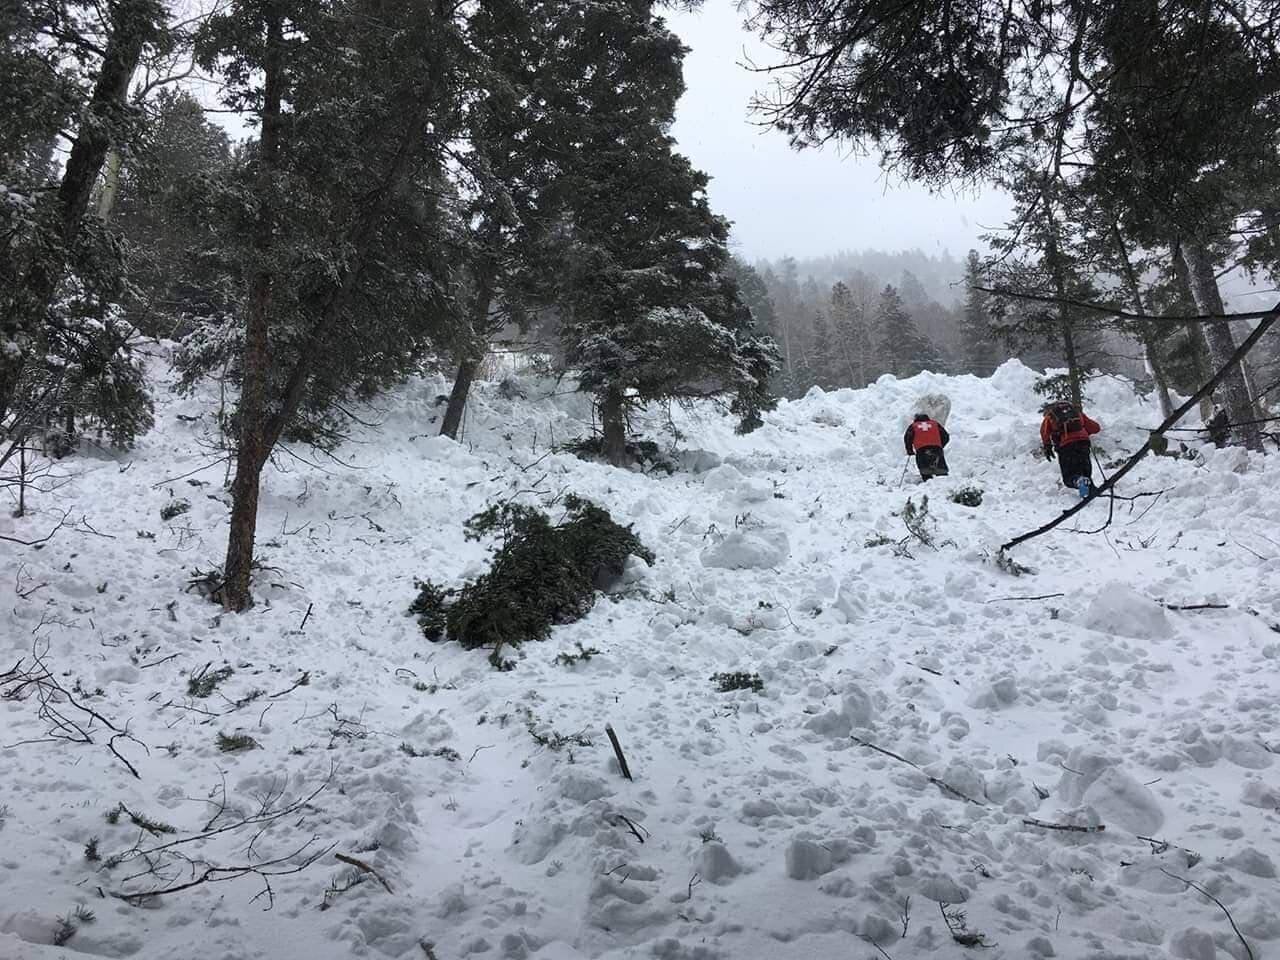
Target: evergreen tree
(651, 309)
(904, 351)
(335, 218)
(852, 335)
(64, 349)
(165, 187)
(825, 360)
(979, 345)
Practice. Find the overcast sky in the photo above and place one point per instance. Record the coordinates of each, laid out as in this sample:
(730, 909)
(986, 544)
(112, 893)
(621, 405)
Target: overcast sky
(800, 203)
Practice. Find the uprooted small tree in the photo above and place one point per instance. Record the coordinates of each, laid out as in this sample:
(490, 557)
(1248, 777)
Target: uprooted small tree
(543, 573)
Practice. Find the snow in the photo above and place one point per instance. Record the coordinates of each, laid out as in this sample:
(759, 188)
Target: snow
(770, 831)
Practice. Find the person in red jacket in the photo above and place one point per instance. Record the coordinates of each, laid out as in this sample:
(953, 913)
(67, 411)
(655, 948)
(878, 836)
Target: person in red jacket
(1066, 430)
(925, 438)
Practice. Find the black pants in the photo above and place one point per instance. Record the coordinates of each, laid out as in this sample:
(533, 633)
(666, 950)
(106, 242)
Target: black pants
(931, 462)
(1076, 461)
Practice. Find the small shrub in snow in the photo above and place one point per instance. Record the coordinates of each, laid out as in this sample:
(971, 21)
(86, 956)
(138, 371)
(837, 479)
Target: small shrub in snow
(917, 521)
(967, 496)
(569, 659)
(235, 742)
(139, 820)
(174, 508)
(91, 852)
(444, 753)
(740, 680)
(878, 540)
(542, 574)
(203, 684)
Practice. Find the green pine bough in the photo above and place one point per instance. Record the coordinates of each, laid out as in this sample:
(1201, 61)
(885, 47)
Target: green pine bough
(543, 573)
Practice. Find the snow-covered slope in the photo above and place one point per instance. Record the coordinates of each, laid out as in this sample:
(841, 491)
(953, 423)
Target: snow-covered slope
(917, 708)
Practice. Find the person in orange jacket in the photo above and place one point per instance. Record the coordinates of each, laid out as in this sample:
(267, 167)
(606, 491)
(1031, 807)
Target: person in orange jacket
(925, 438)
(1065, 430)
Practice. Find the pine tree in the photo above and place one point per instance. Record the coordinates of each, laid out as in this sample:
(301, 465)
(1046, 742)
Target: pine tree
(338, 219)
(64, 349)
(851, 334)
(166, 184)
(651, 309)
(903, 351)
(979, 344)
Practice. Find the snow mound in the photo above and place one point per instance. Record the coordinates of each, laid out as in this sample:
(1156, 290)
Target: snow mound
(748, 549)
(1121, 611)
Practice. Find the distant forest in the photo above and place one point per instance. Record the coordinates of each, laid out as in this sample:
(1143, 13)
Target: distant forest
(845, 319)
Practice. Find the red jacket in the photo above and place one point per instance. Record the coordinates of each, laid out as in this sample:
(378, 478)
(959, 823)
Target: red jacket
(1052, 434)
(925, 433)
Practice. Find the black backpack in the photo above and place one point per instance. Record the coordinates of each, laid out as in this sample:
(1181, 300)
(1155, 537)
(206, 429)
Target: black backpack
(1066, 417)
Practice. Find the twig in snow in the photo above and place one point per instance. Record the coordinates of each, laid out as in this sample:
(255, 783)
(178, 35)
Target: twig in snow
(693, 882)
(617, 750)
(1043, 596)
(1066, 827)
(305, 617)
(906, 916)
(940, 784)
(1221, 906)
(156, 663)
(487, 746)
(366, 868)
(863, 936)
(631, 825)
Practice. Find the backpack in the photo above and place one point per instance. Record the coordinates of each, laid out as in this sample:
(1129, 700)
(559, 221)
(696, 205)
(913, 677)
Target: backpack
(1066, 418)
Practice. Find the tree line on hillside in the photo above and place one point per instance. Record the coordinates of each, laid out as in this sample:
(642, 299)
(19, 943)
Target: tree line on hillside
(422, 176)
(1140, 143)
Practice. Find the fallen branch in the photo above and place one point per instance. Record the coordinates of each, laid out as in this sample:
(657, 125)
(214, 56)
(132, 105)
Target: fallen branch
(1065, 827)
(1221, 906)
(940, 784)
(361, 865)
(1172, 419)
(1043, 596)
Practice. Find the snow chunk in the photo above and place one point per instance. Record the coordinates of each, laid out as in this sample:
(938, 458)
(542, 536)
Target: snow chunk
(1253, 862)
(1193, 944)
(721, 478)
(849, 598)
(582, 787)
(1258, 794)
(1120, 799)
(716, 863)
(1121, 611)
(806, 860)
(753, 548)
(942, 888)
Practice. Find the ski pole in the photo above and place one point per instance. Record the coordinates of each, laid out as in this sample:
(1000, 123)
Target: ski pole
(903, 479)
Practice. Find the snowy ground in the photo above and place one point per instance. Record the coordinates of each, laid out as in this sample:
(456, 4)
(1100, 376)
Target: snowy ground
(764, 828)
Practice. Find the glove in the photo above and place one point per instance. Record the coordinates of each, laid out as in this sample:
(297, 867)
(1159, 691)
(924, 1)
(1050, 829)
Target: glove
(1048, 452)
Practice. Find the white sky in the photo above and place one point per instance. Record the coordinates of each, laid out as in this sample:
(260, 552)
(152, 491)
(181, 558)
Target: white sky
(804, 203)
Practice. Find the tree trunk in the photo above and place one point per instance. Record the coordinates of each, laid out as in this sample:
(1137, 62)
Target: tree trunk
(110, 183)
(1147, 336)
(253, 450)
(1221, 343)
(260, 432)
(1073, 364)
(614, 425)
(1052, 256)
(468, 365)
(458, 397)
